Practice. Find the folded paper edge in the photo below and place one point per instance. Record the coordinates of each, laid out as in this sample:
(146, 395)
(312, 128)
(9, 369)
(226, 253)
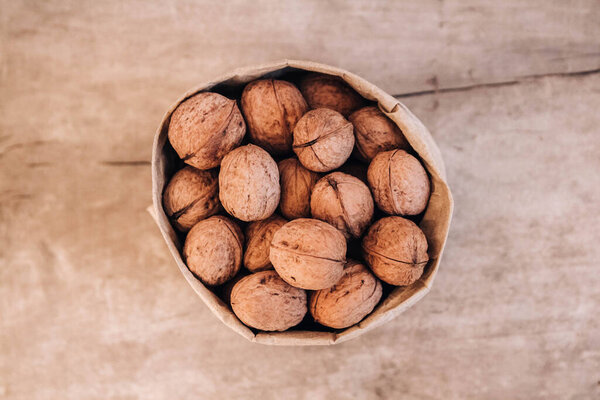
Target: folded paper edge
(424, 145)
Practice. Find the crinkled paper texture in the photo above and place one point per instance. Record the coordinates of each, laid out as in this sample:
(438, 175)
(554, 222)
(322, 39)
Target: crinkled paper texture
(435, 222)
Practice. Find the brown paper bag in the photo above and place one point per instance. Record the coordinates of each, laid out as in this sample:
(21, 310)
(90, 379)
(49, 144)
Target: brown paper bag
(435, 222)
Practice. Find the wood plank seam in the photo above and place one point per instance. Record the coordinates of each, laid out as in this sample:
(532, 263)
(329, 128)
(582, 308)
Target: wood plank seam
(517, 81)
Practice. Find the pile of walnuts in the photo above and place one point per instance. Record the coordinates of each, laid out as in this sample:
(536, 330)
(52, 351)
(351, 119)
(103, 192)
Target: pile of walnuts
(293, 197)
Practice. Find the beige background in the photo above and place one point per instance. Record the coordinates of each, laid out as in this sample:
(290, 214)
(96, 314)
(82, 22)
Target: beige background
(93, 307)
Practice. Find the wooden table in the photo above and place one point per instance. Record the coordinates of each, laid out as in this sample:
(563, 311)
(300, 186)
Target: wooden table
(93, 306)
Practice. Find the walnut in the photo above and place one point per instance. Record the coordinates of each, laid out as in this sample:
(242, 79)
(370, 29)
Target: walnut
(375, 133)
(347, 302)
(308, 253)
(399, 183)
(249, 183)
(344, 202)
(213, 250)
(191, 196)
(396, 250)
(272, 109)
(328, 91)
(297, 183)
(204, 128)
(323, 140)
(264, 301)
(258, 242)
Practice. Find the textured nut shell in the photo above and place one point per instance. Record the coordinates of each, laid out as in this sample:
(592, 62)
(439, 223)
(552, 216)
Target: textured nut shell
(264, 301)
(396, 250)
(327, 91)
(191, 196)
(204, 128)
(351, 299)
(323, 140)
(249, 183)
(344, 202)
(272, 109)
(375, 133)
(213, 250)
(308, 253)
(399, 183)
(258, 242)
(297, 183)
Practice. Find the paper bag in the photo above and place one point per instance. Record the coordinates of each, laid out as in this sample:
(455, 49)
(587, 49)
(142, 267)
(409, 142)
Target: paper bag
(435, 222)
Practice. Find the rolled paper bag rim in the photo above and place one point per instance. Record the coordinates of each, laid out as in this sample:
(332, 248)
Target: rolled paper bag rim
(435, 221)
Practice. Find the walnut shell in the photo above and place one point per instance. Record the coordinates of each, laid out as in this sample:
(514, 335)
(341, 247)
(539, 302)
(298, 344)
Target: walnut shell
(191, 196)
(204, 128)
(249, 183)
(375, 133)
(399, 183)
(351, 299)
(264, 301)
(308, 253)
(396, 250)
(258, 242)
(213, 250)
(328, 91)
(344, 202)
(272, 109)
(323, 140)
(297, 183)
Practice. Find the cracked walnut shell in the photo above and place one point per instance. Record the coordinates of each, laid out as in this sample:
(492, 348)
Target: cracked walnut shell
(375, 133)
(395, 249)
(399, 183)
(297, 183)
(191, 196)
(264, 301)
(328, 91)
(258, 242)
(249, 183)
(308, 253)
(272, 108)
(323, 140)
(213, 250)
(351, 299)
(344, 202)
(204, 128)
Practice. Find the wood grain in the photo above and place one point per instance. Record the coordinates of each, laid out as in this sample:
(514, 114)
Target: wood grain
(91, 304)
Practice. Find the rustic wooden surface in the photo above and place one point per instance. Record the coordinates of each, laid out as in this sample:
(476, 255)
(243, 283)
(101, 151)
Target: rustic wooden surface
(93, 307)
